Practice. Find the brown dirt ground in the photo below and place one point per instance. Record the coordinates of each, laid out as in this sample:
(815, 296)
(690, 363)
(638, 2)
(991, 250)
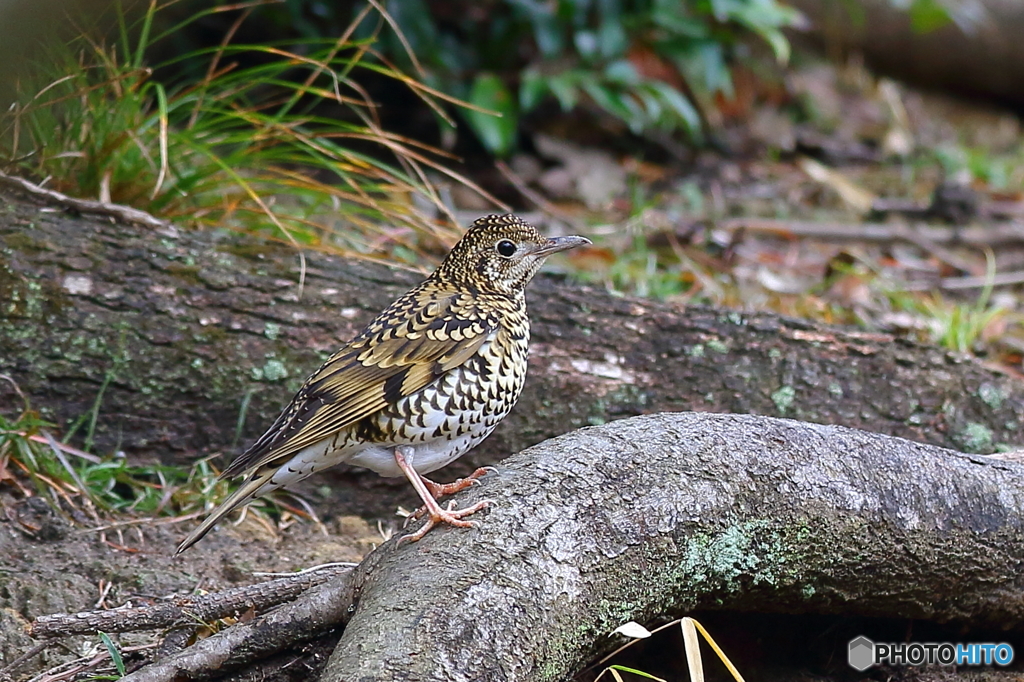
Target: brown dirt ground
(48, 565)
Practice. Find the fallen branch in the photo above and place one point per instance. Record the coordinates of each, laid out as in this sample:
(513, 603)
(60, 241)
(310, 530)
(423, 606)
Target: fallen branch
(201, 329)
(1009, 233)
(974, 282)
(313, 613)
(188, 610)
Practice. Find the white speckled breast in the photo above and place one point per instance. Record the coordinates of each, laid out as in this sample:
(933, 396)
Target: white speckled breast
(441, 422)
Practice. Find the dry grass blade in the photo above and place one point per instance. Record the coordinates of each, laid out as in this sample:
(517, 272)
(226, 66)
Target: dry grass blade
(64, 447)
(59, 454)
(401, 36)
(691, 625)
(17, 389)
(691, 643)
(854, 195)
(243, 148)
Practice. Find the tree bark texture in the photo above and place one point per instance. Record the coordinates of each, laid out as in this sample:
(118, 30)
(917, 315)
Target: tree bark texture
(171, 338)
(661, 515)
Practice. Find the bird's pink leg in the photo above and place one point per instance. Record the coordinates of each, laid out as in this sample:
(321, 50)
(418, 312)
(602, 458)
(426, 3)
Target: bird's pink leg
(436, 514)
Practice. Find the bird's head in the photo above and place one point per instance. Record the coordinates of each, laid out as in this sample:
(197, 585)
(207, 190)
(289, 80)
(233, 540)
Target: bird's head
(501, 254)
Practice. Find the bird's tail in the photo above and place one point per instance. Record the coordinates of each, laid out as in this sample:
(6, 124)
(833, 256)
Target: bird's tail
(249, 490)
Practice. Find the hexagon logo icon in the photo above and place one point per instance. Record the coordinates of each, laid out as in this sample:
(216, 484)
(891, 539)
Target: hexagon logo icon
(861, 655)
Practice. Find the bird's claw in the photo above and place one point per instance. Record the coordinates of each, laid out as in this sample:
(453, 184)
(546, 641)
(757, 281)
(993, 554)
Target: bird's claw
(450, 516)
(444, 489)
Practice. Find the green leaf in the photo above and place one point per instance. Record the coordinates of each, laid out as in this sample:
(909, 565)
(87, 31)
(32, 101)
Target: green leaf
(778, 42)
(928, 15)
(547, 27)
(721, 9)
(671, 15)
(617, 104)
(115, 655)
(497, 131)
(532, 89)
(622, 71)
(677, 102)
(611, 37)
(651, 103)
(634, 671)
(717, 77)
(565, 87)
(586, 42)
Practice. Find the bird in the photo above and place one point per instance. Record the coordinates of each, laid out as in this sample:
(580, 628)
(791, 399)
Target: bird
(424, 382)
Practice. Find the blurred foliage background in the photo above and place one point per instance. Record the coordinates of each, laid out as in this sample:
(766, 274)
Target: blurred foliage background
(640, 61)
(335, 113)
(654, 67)
(374, 129)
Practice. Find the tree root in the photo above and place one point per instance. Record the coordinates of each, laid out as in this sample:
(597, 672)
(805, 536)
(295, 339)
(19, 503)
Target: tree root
(317, 610)
(655, 517)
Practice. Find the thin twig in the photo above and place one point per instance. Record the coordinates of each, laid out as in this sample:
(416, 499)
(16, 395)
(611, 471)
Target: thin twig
(68, 670)
(942, 253)
(142, 522)
(535, 197)
(118, 211)
(6, 671)
(311, 569)
(979, 282)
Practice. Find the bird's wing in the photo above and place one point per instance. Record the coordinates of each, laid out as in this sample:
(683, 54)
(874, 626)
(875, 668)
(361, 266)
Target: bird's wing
(414, 341)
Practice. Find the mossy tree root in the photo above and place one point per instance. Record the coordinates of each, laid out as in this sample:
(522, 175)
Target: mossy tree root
(658, 516)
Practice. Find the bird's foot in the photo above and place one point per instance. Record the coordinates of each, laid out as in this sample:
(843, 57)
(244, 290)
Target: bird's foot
(434, 512)
(442, 489)
(450, 516)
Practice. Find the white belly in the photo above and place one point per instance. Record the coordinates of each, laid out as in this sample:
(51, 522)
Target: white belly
(427, 455)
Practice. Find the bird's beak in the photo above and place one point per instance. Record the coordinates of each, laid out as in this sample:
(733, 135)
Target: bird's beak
(556, 244)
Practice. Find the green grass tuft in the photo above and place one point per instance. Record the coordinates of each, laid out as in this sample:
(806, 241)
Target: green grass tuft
(280, 142)
(34, 462)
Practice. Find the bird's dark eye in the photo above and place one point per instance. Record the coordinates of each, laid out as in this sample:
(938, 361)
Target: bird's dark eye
(505, 248)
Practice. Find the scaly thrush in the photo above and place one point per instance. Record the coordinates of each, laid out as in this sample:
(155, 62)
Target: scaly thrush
(427, 380)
